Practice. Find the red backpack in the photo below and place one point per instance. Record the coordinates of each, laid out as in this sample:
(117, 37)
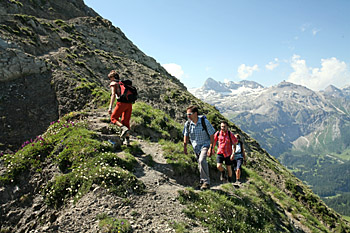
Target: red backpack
(229, 135)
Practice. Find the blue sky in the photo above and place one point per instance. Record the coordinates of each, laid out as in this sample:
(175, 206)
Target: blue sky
(306, 42)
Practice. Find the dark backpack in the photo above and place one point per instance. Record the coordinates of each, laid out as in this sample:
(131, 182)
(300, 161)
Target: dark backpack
(128, 92)
(203, 117)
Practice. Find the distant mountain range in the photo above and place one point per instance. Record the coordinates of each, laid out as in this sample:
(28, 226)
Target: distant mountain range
(308, 131)
(284, 117)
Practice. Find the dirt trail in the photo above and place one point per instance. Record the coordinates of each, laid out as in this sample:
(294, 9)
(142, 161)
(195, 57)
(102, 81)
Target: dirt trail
(158, 209)
(155, 211)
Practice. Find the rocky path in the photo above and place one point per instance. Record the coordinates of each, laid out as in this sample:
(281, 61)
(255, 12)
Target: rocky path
(157, 210)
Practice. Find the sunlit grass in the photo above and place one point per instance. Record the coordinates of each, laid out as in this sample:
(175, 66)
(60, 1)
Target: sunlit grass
(112, 224)
(154, 124)
(82, 159)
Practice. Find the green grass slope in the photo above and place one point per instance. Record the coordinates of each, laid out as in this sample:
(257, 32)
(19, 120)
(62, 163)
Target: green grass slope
(271, 199)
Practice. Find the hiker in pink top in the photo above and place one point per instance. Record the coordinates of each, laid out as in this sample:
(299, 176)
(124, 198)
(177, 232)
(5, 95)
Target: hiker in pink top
(226, 141)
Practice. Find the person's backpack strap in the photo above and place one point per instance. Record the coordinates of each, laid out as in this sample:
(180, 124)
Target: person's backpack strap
(187, 125)
(204, 125)
(216, 133)
(123, 90)
(229, 135)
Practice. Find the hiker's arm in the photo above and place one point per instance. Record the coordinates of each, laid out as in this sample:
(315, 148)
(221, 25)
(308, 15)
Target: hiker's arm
(211, 147)
(186, 139)
(215, 141)
(233, 152)
(113, 91)
(234, 142)
(117, 90)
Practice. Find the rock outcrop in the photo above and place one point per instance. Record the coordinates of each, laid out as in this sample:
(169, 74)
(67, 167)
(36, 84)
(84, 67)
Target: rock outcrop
(55, 60)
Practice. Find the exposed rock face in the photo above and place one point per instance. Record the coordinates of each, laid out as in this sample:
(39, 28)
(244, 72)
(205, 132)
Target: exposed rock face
(55, 57)
(48, 9)
(28, 105)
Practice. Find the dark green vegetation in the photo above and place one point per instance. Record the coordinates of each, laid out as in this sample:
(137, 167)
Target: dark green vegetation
(324, 165)
(328, 176)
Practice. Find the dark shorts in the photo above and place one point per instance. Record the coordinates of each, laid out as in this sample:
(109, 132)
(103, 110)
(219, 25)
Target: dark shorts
(237, 164)
(220, 159)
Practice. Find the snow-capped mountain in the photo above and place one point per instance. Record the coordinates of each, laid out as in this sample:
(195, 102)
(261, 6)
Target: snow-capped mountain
(283, 117)
(225, 94)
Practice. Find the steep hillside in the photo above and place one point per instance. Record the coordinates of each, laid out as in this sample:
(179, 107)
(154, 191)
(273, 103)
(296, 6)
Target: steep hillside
(73, 174)
(56, 63)
(78, 177)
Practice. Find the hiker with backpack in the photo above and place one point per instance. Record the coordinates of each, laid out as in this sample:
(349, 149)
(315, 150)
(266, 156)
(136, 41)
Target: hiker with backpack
(238, 157)
(126, 95)
(200, 133)
(226, 141)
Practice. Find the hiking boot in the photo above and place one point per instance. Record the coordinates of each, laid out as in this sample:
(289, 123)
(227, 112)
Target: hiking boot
(127, 140)
(198, 186)
(229, 179)
(223, 176)
(205, 186)
(124, 131)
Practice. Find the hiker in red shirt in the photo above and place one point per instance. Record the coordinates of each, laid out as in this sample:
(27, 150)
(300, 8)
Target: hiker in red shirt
(226, 141)
(121, 109)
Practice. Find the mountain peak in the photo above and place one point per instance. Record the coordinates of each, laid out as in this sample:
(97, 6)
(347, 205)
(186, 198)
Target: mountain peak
(287, 84)
(251, 84)
(333, 91)
(331, 88)
(211, 84)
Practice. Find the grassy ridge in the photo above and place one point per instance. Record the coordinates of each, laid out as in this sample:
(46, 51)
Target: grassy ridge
(84, 160)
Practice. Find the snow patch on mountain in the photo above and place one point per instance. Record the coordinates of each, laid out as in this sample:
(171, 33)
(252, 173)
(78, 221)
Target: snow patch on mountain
(220, 94)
